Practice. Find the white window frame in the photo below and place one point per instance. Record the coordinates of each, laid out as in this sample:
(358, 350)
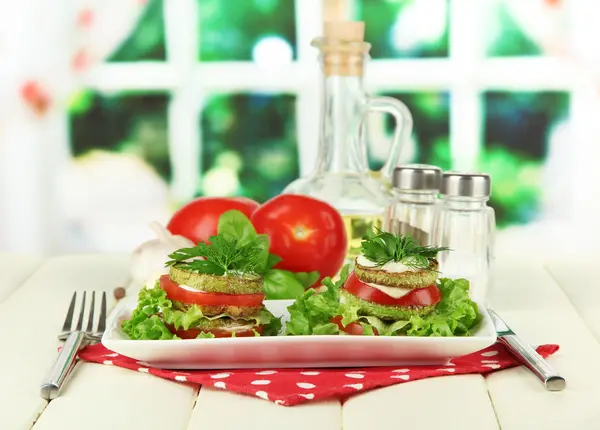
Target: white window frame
(465, 73)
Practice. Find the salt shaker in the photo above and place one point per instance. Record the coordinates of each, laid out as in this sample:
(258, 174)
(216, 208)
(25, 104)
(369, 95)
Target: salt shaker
(466, 224)
(415, 190)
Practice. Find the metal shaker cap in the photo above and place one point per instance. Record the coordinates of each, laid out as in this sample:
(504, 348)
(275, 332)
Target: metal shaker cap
(458, 184)
(418, 177)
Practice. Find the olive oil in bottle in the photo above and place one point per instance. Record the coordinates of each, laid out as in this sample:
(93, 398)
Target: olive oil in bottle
(342, 177)
(357, 225)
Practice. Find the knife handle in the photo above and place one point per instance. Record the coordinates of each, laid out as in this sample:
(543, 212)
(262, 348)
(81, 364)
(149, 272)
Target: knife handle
(530, 358)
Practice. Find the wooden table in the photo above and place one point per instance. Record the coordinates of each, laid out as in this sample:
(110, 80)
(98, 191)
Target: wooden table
(545, 302)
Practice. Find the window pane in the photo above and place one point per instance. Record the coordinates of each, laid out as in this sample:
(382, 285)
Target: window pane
(518, 28)
(519, 129)
(117, 181)
(246, 29)
(127, 123)
(405, 29)
(249, 145)
(430, 137)
(147, 40)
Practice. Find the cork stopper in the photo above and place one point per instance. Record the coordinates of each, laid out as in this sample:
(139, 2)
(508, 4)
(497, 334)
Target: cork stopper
(347, 31)
(343, 48)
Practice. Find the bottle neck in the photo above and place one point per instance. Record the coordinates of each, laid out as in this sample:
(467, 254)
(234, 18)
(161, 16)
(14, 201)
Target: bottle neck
(464, 203)
(343, 98)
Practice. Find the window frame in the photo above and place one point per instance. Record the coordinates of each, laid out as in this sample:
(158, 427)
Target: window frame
(466, 73)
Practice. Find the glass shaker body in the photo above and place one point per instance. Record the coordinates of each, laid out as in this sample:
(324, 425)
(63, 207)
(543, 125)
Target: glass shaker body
(466, 225)
(413, 214)
(415, 188)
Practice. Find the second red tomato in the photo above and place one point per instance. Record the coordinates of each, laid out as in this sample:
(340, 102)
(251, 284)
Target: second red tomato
(308, 234)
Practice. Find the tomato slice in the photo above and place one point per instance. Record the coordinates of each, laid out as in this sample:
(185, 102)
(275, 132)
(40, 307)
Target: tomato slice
(352, 328)
(427, 296)
(176, 292)
(193, 333)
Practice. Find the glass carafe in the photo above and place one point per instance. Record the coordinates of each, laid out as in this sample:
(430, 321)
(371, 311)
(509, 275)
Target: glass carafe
(342, 176)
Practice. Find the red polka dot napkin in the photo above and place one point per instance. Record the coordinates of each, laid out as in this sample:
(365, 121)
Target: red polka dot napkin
(290, 387)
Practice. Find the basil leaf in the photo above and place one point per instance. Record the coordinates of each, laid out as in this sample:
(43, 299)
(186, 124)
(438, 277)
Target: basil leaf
(282, 285)
(235, 226)
(307, 279)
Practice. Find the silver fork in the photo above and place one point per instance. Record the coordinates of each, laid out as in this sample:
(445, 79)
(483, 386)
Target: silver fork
(74, 340)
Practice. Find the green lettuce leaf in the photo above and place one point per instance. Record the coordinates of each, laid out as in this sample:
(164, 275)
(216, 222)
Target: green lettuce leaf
(311, 313)
(455, 315)
(145, 322)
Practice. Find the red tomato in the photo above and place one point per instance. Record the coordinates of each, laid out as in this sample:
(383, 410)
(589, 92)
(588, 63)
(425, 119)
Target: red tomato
(175, 292)
(426, 296)
(308, 234)
(352, 328)
(198, 219)
(193, 333)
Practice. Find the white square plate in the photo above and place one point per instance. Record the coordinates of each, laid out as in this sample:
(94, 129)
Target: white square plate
(292, 351)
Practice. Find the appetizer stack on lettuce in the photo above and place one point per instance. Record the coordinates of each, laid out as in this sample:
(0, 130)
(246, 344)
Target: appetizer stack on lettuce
(394, 290)
(212, 290)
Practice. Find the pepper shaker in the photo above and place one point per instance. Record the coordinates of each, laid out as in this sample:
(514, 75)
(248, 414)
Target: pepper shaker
(466, 225)
(415, 188)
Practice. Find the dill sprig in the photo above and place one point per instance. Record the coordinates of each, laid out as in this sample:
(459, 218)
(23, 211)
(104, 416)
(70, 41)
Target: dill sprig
(381, 247)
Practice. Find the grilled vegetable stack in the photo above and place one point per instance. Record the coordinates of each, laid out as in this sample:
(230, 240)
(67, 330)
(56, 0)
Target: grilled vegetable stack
(212, 290)
(394, 278)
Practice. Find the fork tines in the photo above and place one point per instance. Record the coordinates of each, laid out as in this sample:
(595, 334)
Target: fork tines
(69, 319)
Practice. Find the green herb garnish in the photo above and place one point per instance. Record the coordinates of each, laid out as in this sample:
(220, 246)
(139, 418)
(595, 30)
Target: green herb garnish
(382, 247)
(235, 250)
(238, 249)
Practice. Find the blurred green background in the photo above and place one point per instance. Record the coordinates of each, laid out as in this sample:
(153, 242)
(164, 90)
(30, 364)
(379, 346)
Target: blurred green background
(249, 139)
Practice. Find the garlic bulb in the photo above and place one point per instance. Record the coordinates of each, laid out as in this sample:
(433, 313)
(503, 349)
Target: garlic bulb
(148, 260)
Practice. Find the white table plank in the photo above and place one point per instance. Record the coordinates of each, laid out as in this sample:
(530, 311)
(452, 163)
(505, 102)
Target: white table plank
(101, 397)
(222, 410)
(30, 319)
(578, 278)
(537, 309)
(14, 269)
(448, 402)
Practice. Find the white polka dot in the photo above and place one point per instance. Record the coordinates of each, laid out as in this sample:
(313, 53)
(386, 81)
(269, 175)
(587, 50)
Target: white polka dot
(112, 355)
(220, 375)
(401, 370)
(109, 362)
(262, 395)
(489, 361)
(143, 370)
(266, 372)
(492, 366)
(308, 396)
(447, 370)
(489, 353)
(355, 375)
(142, 363)
(261, 382)
(279, 402)
(355, 386)
(180, 378)
(310, 373)
(450, 364)
(220, 384)
(305, 385)
(403, 377)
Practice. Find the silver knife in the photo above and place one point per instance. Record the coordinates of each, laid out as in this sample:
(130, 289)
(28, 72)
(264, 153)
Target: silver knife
(527, 355)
